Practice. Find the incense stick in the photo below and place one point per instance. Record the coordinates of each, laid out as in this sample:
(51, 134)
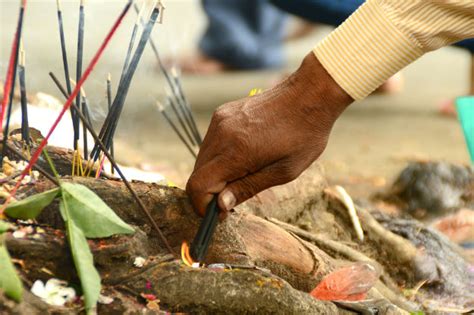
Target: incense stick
(116, 167)
(122, 75)
(11, 76)
(186, 107)
(131, 43)
(181, 122)
(110, 124)
(85, 110)
(80, 53)
(84, 130)
(25, 129)
(68, 103)
(65, 59)
(109, 105)
(173, 126)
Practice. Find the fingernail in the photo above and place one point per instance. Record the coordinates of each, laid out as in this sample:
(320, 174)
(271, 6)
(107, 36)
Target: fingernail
(228, 199)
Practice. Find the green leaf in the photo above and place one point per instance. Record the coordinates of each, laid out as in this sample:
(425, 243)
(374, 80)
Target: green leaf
(83, 260)
(4, 226)
(90, 214)
(31, 207)
(9, 281)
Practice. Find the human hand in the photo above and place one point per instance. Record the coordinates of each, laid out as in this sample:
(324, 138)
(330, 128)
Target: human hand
(268, 139)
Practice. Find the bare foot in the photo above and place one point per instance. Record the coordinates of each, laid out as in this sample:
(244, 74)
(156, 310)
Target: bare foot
(200, 64)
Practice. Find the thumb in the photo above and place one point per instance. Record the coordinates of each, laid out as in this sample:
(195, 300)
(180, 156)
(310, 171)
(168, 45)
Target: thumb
(248, 186)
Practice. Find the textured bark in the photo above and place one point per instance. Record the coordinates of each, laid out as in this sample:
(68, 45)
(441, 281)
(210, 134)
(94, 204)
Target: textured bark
(242, 239)
(291, 265)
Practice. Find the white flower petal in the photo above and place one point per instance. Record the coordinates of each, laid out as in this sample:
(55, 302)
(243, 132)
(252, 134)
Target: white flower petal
(19, 234)
(139, 262)
(56, 300)
(68, 293)
(38, 289)
(105, 299)
(54, 292)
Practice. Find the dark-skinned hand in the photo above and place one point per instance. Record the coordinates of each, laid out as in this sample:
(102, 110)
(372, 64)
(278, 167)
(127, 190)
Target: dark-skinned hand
(268, 139)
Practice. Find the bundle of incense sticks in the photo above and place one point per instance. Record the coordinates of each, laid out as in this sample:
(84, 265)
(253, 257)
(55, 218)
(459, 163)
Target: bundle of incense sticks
(176, 100)
(88, 126)
(11, 77)
(69, 101)
(110, 124)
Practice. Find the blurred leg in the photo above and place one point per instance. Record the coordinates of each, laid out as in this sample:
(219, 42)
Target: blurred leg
(243, 34)
(330, 12)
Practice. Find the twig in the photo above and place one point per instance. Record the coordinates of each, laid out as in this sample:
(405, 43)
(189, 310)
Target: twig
(116, 167)
(37, 167)
(349, 204)
(9, 178)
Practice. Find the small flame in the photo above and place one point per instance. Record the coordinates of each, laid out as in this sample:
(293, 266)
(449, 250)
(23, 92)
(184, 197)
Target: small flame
(186, 256)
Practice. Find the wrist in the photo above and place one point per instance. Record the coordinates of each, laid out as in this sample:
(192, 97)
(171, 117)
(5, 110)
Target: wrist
(315, 89)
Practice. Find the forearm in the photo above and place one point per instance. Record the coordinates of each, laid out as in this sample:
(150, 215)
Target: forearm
(384, 36)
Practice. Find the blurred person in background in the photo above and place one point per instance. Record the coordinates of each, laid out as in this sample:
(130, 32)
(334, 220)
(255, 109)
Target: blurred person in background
(249, 35)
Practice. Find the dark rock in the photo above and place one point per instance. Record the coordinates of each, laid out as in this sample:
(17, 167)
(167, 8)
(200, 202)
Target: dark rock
(427, 189)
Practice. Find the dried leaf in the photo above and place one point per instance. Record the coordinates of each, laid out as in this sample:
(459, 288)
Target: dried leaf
(347, 284)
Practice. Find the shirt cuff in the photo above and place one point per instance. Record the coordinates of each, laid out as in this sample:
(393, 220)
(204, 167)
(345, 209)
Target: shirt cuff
(366, 50)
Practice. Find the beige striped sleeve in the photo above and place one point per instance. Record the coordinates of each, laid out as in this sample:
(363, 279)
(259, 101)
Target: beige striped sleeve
(384, 36)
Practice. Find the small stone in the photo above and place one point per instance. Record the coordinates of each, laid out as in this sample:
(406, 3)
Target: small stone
(139, 262)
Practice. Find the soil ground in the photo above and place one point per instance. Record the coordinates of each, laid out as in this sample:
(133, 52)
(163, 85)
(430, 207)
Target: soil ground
(370, 143)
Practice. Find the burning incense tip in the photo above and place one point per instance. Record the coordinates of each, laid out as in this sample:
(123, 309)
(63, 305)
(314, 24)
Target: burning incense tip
(186, 257)
(58, 4)
(109, 77)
